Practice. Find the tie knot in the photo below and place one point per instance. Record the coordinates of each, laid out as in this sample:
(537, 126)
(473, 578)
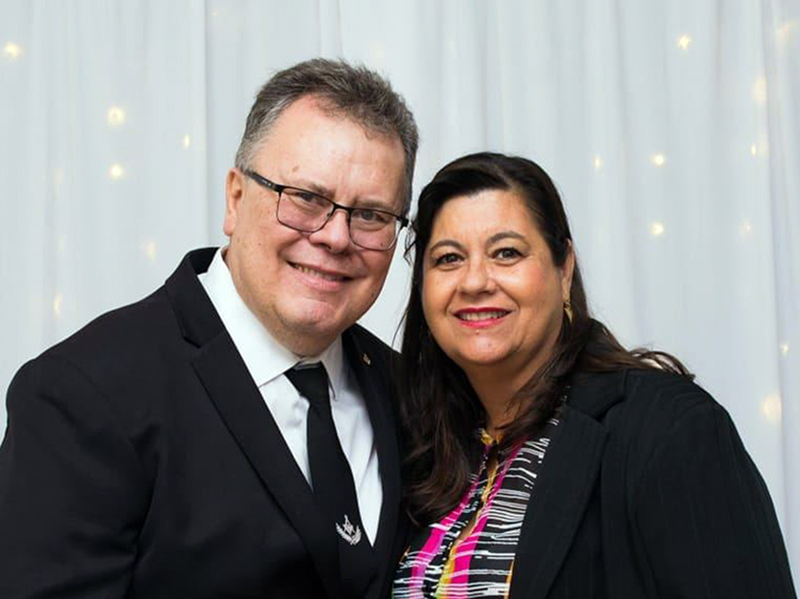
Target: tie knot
(311, 382)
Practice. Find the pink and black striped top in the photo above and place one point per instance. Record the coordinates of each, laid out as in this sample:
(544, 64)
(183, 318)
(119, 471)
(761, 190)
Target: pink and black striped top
(470, 552)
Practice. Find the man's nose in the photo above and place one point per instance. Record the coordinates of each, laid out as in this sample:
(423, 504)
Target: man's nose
(335, 235)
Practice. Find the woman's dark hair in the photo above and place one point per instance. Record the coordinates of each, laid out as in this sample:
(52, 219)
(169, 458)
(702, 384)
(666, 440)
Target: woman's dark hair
(441, 413)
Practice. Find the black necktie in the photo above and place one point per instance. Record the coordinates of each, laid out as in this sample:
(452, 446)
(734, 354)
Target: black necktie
(332, 480)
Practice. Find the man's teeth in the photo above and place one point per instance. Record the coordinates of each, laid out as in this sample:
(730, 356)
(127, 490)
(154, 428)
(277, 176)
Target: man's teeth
(481, 315)
(316, 273)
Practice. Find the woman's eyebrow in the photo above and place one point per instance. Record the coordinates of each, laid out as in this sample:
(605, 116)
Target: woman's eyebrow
(505, 235)
(446, 242)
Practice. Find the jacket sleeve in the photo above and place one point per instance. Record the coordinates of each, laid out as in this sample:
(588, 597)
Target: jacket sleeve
(72, 493)
(705, 520)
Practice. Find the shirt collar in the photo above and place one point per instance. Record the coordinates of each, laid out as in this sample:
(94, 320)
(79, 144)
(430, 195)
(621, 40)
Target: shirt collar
(265, 358)
(333, 360)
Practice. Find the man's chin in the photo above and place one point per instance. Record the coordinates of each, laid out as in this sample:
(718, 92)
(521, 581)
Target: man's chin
(316, 320)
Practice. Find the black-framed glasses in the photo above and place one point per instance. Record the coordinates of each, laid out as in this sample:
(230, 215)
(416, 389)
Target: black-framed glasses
(306, 211)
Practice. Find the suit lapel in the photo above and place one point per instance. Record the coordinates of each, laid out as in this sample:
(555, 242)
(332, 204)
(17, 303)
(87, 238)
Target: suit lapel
(241, 406)
(372, 376)
(557, 505)
(239, 403)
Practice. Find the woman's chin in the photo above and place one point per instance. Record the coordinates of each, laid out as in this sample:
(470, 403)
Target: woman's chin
(479, 359)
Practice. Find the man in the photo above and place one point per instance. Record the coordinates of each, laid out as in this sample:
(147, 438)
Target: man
(191, 445)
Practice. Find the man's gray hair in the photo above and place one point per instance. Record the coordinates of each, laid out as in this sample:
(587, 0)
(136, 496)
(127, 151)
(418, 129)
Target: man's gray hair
(353, 92)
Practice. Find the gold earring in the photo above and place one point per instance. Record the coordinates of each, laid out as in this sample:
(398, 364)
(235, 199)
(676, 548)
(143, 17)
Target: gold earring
(568, 309)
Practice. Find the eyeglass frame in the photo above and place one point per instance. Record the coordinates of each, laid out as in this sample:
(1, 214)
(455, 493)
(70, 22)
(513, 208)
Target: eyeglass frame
(279, 189)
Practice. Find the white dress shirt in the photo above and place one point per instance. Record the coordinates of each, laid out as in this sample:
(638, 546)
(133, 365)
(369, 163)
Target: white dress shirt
(267, 360)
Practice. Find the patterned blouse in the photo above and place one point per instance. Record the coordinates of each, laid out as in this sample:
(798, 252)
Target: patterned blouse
(470, 552)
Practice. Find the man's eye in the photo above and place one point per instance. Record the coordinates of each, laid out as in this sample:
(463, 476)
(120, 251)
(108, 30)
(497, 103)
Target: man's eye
(374, 217)
(309, 197)
(305, 198)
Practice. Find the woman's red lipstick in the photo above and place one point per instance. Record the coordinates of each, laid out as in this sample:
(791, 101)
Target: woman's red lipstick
(480, 318)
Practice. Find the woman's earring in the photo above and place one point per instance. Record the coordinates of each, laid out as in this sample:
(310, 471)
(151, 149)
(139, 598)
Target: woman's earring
(568, 309)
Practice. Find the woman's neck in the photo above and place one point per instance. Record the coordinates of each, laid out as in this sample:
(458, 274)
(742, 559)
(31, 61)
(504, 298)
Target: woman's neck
(498, 384)
(496, 392)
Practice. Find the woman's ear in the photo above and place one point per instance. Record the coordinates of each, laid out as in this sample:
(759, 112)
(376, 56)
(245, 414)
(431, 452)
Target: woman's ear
(566, 272)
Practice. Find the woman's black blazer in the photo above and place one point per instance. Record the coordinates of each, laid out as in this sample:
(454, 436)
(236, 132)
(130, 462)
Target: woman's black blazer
(647, 492)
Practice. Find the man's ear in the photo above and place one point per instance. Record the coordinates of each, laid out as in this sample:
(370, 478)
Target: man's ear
(234, 192)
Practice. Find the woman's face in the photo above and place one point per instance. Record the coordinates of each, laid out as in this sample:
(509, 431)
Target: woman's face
(491, 294)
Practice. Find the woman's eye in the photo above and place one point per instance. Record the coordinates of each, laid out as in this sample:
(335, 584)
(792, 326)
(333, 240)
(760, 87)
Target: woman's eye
(444, 259)
(507, 253)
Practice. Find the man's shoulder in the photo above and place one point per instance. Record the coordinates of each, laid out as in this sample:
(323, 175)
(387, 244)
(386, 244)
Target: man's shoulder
(121, 330)
(119, 356)
(140, 327)
(364, 346)
(370, 343)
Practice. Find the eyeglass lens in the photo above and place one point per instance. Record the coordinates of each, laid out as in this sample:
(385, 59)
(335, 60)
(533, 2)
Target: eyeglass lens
(305, 211)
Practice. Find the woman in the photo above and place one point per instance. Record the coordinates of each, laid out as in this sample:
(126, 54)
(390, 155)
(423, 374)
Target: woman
(546, 460)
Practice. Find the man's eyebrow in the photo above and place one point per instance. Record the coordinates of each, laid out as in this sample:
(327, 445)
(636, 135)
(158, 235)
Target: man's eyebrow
(328, 194)
(374, 205)
(315, 188)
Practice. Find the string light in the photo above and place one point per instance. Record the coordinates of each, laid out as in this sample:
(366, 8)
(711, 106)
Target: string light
(115, 116)
(786, 31)
(378, 53)
(57, 301)
(745, 228)
(753, 150)
(150, 249)
(12, 51)
(187, 141)
(116, 171)
(597, 162)
(658, 159)
(684, 42)
(452, 48)
(657, 229)
(760, 91)
(58, 179)
(771, 408)
(784, 349)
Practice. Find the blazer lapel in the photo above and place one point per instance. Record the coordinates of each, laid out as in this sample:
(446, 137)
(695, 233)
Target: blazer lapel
(373, 377)
(559, 499)
(238, 401)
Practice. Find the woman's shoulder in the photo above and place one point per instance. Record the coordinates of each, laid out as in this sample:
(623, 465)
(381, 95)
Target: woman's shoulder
(654, 388)
(647, 404)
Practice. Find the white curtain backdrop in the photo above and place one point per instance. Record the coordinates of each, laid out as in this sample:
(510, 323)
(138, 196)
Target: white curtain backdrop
(671, 128)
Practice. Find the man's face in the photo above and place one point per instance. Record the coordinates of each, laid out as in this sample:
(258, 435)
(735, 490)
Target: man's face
(307, 288)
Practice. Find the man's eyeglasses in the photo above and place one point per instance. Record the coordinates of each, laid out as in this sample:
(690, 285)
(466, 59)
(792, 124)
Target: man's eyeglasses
(306, 211)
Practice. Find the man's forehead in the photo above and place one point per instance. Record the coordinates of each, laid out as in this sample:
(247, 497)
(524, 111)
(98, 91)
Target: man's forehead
(291, 149)
(329, 108)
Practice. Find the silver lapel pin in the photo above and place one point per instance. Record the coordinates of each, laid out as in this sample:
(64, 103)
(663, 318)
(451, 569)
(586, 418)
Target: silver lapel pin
(350, 533)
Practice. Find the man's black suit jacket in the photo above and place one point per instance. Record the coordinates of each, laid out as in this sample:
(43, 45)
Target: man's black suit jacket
(141, 461)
